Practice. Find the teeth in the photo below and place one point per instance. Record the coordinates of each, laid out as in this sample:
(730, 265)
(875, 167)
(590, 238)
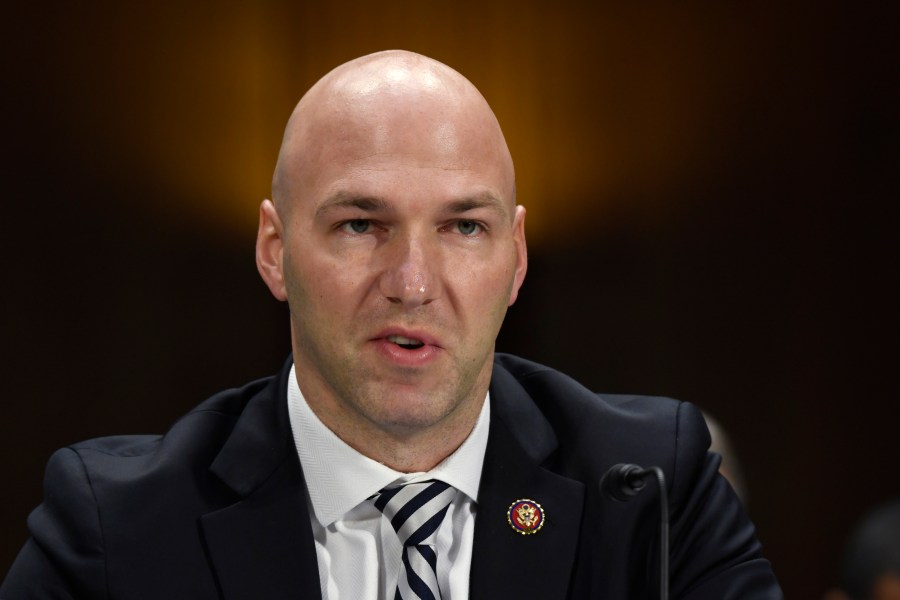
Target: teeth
(404, 341)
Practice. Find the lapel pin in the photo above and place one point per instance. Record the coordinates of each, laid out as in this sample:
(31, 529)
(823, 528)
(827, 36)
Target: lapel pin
(525, 516)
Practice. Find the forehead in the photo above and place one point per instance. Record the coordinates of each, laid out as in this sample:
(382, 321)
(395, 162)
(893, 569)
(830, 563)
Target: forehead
(394, 182)
(427, 137)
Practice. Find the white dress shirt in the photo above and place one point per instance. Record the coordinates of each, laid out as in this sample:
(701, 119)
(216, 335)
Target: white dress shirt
(358, 550)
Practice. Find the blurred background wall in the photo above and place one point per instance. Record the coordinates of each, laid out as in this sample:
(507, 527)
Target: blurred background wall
(712, 203)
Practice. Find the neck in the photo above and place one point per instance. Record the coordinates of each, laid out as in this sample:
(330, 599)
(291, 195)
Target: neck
(407, 449)
(421, 452)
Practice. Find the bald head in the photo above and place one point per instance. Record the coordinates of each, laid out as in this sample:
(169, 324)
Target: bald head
(388, 102)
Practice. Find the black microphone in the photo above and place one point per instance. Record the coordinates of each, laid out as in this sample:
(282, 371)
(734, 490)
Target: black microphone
(623, 482)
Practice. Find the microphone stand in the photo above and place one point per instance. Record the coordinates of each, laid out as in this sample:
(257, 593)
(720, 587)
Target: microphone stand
(624, 481)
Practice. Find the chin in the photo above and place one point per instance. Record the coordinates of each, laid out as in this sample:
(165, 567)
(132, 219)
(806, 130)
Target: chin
(412, 410)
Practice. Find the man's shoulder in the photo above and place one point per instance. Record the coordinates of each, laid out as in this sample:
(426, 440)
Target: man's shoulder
(548, 386)
(196, 436)
(601, 428)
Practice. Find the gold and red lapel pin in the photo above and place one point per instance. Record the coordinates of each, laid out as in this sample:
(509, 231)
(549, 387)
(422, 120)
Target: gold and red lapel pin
(525, 516)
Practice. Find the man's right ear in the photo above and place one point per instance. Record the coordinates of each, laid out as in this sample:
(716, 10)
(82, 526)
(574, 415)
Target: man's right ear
(270, 249)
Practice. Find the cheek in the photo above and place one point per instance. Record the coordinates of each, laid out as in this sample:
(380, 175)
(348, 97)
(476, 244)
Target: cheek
(486, 288)
(323, 283)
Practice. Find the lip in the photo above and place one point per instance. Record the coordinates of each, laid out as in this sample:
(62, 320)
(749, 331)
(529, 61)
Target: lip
(402, 357)
(422, 336)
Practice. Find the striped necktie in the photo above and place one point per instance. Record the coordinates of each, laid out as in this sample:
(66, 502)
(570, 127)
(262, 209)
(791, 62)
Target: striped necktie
(416, 511)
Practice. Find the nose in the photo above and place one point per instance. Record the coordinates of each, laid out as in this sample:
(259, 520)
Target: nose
(409, 276)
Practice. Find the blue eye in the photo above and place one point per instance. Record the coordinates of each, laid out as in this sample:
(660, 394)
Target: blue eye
(357, 225)
(467, 227)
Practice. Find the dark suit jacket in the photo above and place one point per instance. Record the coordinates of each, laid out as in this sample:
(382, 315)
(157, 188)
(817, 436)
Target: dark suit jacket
(216, 508)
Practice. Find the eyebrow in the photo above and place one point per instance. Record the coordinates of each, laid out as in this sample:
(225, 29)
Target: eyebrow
(483, 200)
(345, 199)
(348, 200)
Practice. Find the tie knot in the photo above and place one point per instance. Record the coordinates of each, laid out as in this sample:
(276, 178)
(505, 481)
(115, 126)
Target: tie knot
(415, 509)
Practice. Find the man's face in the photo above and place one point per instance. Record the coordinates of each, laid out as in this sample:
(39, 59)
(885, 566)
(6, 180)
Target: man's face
(402, 251)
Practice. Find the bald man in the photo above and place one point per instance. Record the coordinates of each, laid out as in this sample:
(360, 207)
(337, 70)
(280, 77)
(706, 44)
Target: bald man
(395, 455)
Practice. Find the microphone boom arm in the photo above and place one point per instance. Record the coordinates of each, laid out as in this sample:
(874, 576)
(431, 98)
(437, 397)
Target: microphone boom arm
(622, 482)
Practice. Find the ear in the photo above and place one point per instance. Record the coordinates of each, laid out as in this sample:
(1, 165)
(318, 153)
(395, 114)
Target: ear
(270, 249)
(521, 253)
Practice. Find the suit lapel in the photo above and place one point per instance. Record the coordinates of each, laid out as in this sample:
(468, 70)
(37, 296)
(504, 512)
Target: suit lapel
(506, 563)
(266, 536)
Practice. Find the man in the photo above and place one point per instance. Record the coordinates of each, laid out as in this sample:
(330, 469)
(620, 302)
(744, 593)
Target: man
(395, 455)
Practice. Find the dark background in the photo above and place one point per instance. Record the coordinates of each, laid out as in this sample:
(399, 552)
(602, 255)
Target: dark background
(712, 204)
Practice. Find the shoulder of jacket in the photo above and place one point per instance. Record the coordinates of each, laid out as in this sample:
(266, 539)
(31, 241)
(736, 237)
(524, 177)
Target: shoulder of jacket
(209, 419)
(546, 383)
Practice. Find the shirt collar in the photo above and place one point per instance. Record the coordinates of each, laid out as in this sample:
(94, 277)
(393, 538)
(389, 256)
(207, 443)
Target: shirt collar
(321, 452)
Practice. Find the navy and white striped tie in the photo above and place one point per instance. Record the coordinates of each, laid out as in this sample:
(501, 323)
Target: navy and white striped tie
(416, 511)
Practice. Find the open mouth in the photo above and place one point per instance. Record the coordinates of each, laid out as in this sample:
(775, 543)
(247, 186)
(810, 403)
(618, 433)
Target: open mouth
(405, 342)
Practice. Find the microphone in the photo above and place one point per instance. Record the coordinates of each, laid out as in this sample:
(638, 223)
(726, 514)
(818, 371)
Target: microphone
(622, 482)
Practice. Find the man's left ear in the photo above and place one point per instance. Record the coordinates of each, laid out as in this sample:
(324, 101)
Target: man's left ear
(521, 253)
(270, 250)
